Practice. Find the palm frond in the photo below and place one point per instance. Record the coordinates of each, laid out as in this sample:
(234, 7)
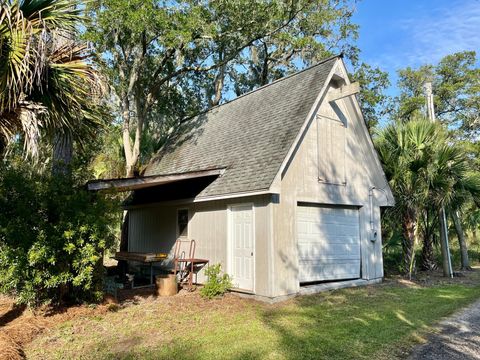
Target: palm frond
(54, 15)
(47, 81)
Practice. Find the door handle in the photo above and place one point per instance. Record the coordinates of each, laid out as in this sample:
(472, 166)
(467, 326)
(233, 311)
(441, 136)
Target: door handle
(251, 254)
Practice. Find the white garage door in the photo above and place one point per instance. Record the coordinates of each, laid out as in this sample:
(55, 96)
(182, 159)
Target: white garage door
(328, 243)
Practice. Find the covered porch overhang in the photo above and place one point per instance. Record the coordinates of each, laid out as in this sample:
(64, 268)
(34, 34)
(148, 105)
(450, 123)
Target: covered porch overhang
(142, 182)
(145, 190)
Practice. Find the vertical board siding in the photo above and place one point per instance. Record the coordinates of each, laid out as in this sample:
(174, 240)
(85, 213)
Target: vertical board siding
(344, 156)
(331, 143)
(153, 229)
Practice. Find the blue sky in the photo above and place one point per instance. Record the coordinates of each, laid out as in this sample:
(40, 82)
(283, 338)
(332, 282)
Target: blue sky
(395, 34)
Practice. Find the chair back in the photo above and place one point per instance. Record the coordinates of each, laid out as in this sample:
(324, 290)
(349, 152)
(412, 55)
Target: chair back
(181, 246)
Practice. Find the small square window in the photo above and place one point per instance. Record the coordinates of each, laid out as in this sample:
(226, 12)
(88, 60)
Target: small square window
(182, 222)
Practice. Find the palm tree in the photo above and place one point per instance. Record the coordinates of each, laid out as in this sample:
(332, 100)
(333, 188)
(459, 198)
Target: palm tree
(47, 81)
(452, 185)
(405, 150)
(428, 228)
(427, 171)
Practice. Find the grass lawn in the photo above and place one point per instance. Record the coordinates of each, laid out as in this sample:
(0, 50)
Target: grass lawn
(371, 322)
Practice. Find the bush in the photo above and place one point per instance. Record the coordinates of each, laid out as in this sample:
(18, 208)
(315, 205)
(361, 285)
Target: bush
(52, 236)
(217, 284)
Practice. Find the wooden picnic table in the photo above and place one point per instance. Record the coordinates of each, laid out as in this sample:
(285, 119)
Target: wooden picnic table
(146, 258)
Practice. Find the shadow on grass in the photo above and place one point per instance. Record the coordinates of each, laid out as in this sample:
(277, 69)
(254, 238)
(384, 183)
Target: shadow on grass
(184, 350)
(357, 324)
(361, 323)
(313, 328)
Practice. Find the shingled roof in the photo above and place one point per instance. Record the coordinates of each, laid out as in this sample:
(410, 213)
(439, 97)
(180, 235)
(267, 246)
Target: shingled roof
(249, 136)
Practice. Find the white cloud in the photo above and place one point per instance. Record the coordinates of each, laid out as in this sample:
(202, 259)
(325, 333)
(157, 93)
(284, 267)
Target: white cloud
(436, 32)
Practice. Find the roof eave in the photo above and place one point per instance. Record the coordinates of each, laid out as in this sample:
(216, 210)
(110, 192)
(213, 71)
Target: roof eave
(129, 184)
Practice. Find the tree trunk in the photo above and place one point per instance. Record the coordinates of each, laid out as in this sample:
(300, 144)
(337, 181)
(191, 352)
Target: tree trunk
(127, 148)
(122, 266)
(265, 67)
(461, 240)
(3, 145)
(62, 153)
(124, 233)
(132, 153)
(138, 133)
(219, 83)
(446, 264)
(61, 167)
(428, 254)
(218, 87)
(409, 225)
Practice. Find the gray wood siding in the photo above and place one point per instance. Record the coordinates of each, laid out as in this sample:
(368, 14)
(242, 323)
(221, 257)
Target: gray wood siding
(153, 228)
(301, 183)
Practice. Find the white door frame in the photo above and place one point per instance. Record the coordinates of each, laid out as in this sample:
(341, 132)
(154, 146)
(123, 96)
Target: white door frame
(230, 241)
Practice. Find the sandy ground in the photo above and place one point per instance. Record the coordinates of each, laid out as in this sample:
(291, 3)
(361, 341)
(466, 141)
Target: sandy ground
(458, 338)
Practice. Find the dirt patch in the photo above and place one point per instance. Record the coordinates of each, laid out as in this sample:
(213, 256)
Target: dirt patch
(432, 278)
(20, 325)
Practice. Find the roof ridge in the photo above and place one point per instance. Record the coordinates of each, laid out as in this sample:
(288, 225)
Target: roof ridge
(264, 86)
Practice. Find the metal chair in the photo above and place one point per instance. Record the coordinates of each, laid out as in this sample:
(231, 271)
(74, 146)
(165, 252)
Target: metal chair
(185, 267)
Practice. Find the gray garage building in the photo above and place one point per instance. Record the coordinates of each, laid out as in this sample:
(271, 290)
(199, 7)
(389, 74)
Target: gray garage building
(282, 186)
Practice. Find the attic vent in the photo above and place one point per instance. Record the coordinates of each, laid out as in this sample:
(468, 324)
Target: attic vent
(331, 151)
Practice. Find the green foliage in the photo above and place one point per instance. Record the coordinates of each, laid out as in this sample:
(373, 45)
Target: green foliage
(442, 171)
(168, 60)
(217, 284)
(456, 87)
(109, 160)
(312, 31)
(375, 103)
(52, 237)
(426, 170)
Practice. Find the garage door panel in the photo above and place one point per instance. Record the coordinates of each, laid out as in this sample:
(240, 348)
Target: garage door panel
(329, 231)
(312, 251)
(334, 270)
(328, 243)
(333, 238)
(351, 247)
(333, 217)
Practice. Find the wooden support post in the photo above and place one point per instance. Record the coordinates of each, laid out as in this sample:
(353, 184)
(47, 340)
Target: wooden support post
(446, 258)
(343, 92)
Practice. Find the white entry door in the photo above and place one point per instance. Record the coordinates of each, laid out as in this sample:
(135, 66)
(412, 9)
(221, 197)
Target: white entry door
(328, 243)
(242, 246)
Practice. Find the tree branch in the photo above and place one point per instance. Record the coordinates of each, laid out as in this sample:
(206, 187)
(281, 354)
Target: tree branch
(225, 61)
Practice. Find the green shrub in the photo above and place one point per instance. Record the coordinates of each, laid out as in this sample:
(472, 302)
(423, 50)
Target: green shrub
(217, 284)
(53, 233)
